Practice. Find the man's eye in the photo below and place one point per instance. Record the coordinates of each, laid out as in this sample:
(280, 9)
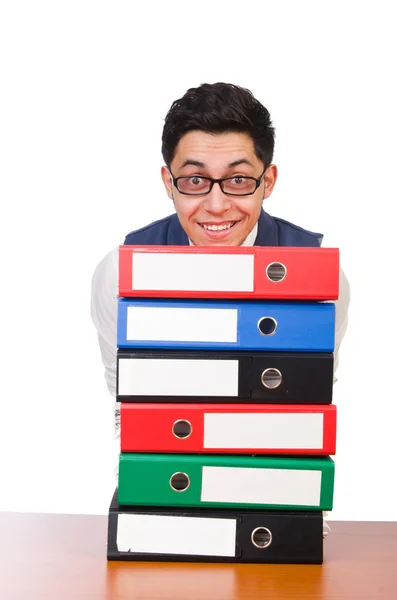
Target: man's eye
(195, 180)
(238, 180)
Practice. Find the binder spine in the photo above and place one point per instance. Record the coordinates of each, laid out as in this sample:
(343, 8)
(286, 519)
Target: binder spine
(282, 483)
(225, 272)
(228, 429)
(227, 325)
(224, 376)
(214, 535)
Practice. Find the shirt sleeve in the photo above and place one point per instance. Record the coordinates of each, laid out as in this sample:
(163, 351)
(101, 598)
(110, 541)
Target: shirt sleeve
(341, 315)
(104, 299)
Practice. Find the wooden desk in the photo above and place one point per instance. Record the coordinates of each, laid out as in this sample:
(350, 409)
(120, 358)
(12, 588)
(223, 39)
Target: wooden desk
(63, 557)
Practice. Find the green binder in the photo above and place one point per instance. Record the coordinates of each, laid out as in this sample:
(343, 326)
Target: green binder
(271, 482)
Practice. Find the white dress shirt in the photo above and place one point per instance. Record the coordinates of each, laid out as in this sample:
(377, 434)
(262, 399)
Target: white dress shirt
(104, 301)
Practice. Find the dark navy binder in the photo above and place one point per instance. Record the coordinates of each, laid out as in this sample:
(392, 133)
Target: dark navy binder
(224, 376)
(214, 535)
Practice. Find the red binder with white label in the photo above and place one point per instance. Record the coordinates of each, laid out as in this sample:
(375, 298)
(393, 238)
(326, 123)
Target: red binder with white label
(278, 272)
(228, 428)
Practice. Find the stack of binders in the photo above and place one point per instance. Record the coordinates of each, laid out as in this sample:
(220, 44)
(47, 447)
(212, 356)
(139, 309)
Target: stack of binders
(225, 376)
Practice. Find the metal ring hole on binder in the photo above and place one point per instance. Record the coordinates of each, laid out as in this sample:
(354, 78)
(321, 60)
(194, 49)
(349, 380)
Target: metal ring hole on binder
(267, 325)
(182, 429)
(276, 272)
(271, 378)
(261, 537)
(179, 482)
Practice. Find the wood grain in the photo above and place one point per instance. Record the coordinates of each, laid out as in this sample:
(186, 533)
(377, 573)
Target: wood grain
(59, 557)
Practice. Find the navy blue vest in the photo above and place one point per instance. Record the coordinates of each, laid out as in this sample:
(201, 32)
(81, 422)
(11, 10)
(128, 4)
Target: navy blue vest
(272, 231)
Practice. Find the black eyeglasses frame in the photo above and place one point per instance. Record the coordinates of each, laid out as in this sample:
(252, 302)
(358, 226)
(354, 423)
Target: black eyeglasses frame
(219, 181)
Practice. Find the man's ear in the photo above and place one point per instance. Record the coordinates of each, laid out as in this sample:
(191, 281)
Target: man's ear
(166, 177)
(270, 178)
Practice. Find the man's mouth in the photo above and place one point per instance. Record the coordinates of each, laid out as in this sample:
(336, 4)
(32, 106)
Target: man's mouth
(218, 227)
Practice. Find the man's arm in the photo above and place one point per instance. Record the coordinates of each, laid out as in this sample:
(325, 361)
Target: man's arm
(341, 318)
(104, 298)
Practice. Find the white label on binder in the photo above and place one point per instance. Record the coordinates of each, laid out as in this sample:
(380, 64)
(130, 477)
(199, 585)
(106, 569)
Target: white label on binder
(264, 430)
(158, 323)
(177, 377)
(261, 486)
(193, 272)
(158, 534)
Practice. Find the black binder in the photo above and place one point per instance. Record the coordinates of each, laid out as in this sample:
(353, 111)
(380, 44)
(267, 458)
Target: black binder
(214, 535)
(255, 377)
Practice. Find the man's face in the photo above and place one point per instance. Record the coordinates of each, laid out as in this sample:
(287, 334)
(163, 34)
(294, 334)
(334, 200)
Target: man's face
(217, 218)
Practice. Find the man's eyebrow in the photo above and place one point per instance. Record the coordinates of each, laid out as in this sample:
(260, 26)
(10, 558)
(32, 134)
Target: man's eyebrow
(241, 161)
(197, 163)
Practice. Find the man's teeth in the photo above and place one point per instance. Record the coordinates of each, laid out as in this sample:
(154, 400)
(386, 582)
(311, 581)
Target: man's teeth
(218, 227)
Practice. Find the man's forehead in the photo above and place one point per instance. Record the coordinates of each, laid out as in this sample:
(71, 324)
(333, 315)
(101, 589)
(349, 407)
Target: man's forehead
(199, 163)
(202, 149)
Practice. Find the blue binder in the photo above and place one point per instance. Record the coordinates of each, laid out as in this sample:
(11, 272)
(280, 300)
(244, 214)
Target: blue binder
(222, 325)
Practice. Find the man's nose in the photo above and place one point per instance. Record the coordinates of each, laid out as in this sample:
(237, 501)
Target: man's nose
(216, 201)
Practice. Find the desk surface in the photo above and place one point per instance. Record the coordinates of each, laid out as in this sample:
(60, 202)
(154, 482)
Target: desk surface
(63, 557)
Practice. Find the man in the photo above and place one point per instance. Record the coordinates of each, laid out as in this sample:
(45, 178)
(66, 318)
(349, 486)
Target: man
(217, 145)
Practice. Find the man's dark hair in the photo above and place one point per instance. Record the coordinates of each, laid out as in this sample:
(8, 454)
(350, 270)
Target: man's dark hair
(219, 108)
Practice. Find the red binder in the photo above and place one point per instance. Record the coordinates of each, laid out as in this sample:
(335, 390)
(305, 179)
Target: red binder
(280, 272)
(228, 428)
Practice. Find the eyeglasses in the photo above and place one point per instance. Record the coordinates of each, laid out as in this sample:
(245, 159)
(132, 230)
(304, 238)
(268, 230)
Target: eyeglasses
(196, 185)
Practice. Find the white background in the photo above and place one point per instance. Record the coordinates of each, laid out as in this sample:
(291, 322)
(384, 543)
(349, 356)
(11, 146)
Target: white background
(85, 89)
